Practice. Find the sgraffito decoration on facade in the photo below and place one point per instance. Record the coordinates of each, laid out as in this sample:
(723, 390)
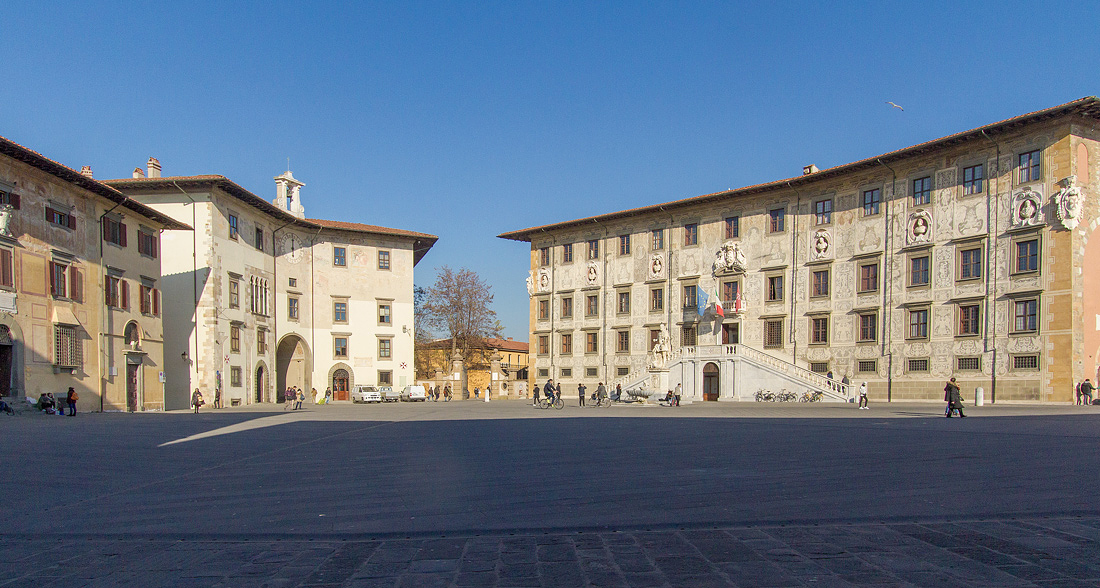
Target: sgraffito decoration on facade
(656, 265)
(919, 228)
(1068, 202)
(821, 248)
(1027, 208)
(592, 274)
(729, 258)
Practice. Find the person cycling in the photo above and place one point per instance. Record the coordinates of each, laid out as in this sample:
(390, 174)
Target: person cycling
(548, 390)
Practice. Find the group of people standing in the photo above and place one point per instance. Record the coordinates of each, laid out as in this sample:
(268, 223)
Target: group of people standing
(436, 392)
(296, 396)
(48, 403)
(1084, 392)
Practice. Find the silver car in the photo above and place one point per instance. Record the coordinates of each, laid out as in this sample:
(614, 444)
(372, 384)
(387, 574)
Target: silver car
(366, 394)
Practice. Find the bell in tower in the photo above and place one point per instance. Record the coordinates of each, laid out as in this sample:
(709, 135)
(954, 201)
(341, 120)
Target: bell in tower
(288, 194)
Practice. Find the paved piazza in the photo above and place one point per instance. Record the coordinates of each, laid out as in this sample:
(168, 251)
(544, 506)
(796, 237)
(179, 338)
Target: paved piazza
(502, 494)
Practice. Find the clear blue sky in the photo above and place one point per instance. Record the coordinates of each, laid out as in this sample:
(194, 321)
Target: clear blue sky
(469, 119)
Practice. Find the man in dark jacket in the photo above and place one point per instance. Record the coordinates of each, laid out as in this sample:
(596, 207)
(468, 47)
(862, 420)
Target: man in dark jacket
(953, 398)
(1086, 391)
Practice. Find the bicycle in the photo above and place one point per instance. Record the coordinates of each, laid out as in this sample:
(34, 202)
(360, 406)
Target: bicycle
(811, 396)
(594, 402)
(545, 403)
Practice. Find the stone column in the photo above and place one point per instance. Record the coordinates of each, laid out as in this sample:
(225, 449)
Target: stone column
(496, 377)
(458, 375)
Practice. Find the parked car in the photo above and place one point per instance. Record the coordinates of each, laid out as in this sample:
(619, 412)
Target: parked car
(414, 394)
(389, 394)
(366, 394)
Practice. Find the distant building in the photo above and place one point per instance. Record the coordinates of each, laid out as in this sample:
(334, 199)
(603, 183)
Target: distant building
(80, 287)
(970, 255)
(260, 298)
(434, 366)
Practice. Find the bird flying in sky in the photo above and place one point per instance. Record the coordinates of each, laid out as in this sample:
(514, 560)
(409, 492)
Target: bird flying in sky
(895, 106)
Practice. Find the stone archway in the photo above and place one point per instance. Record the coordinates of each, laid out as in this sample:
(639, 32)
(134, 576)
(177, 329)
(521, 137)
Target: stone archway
(260, 381)
(293, 365)
(710, 381)
(340, 375)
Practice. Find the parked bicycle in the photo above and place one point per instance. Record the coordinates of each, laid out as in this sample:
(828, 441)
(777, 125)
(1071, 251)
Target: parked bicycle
(811, 396)
(594, 402)
(545, 403)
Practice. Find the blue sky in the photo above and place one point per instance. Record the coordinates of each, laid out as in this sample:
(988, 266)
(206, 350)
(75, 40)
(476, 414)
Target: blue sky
(469, 119)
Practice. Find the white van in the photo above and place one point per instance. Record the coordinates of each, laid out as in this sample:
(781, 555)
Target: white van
(414, 394)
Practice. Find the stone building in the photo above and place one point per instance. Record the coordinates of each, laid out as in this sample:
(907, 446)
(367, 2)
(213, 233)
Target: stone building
(260, 297)
(965, 256)
(500, 363)
(80, 287)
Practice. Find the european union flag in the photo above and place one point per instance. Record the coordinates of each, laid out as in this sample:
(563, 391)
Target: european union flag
(701, 296)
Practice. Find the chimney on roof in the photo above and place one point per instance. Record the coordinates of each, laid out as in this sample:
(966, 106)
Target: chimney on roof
(139, 173)
(809, 169)
(86, 171)
(154, 167)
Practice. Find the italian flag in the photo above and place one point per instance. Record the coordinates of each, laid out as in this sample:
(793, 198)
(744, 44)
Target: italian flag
(718, 305)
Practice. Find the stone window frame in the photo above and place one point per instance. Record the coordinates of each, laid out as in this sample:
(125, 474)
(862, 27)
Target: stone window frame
(385, 260)
(773, 332)
(567, 253)
(913, 312)
(544, 256)
(968, 367)
(336, 348)
(913, 365)
(234, 226)
(875, 200)
(235, 379)
(593, 249)
(339, 256)
(1019, 362)
(823, 212)
(926, 255)
(566, 307)
(591, 342)
(980, 180)
(543, 342)
(727, 328)
(967, 306)
(591, 305)
(565, 372)
(657, 299)
(591, 372)
(691, 234)
(862, 285)
(819, 329)
(863, 364)
(385, 348)
(733, 226)
(1031, 300)
(820, 288)
(924, 190)
(774, 287)
(657, 239)
(385, 377)
(961, 252)
(861, 328)
(542, 306)
(566, 345)
(336, 302)
(1020, 239)
(1034, 166)
(622, 302)
(690, 296)
(622, 340)
(689, 335)
(385, 319)
(624, 245)
(777, 220)
(235, 337)
(293, 309)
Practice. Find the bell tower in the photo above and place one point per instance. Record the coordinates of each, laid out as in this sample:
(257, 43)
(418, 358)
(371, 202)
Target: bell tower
(288, 194)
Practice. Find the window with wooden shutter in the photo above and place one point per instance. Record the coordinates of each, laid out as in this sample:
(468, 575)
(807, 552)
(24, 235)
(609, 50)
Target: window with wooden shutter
(57, 280)
(76, 284)
(122, 234)
(124, 295)
(143, 299)
(7, 273)
(156, 302)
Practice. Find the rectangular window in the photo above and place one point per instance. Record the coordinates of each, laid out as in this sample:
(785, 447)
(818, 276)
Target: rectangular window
(7, 268)
(972, 179)
(1027, 255)
(971, 364)
(544, 310)
(261, 341)
(385, 316)
(591, 372)
(823, 212)
(691, 234)
(385, 348)
(1025, 314)
(624, 302)
(1025, 362)
(114, 232)
(775, 288)
(567, 344)
(918, 324)
(918, 365)
(68, 351)
(591, 305)
(623, 371)
(820, 283)
(340, 256)
(60, 218)
(340, 347)
(259, 238)
(658, 239)
(233, 229)
(385, 377)
(922, 191)
(567, 307)
(654, 337)
(591, 342)
(292, 308)
(148, 243)
(776, 217)
(149, 300)
(657, 299)
(544, 373)
(384, 260)
(544, 256)
(1029, 168)
(234, 293)
(565, 373)
(690, 300)
(872, 200)
(773, 333)
(970, 264)
(919, 271)
(819, 330)
(622, 342)
(292, 282)
(567, 253)
(731, 333)
(730, 291)
(9, 199)
(58, 280)
(544, 344)
(234, 339)
(340, 312)
(969, 319)
(117, 292)
(868, 277)
(594, 249)
(624, 244)
(235, 376)
(820, 367)
(868, 327)
(688, 335)
(867, 366)
(733, 227)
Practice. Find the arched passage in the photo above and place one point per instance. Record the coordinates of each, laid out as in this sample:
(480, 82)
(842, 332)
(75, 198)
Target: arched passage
(341, 379)
(259, 394)
(293, 365)
(710, 381)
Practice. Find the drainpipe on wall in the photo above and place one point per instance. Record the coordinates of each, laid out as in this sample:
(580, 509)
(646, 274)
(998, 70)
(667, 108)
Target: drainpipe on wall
(602, 341)
(888, 286)
(989, 253)
(794, 273)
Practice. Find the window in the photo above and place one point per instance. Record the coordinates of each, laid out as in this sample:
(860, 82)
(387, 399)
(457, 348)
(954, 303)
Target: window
(114, 231)
(691, 234)
(733, 227)
(624, 302)
(1029, 167)
(689, 296)
(731, 333)
(235, 376)
(819, 367)
(823, 212)
(234, 293)
(918, 323)
(149, 299)
(868, 327)
(970, 263)
(7, 268)
(623, 342)
(594, 249)
(60, 218)
(657, 299)
(233, 227)
(1027, 255)
(775, 220)
(292, 308)
(969, 317)
(567, 253)
(688, 335)
(918, 365)
(544, 344)
(775, 288)
(59, 279)
(340, 311)
(654, 337)
(867, 366)
(340, 347)
(624, 244)
(773, 333)
(544, 256)
(384, 260)
(8, 198)
(919, 271)
(868, 277)
(820, 283)
(292, 282)
(384, 314)
(819, 330)
(972, 179)
(872, 199)
(544, 373)
(567, 307)
(147, 243)
(68, 351)
(567, 344)
(565, 373)
(385, 377)
(340, 256)
(385, 348)
(922, 191)
(117, 292)
(658, 239)
(259, 238)
(730, 292)
(258, 291)
(964, 364)
(544, 310)
(591, 342)
(591, 305)
(234, 338)
(591, 372)
(1025, 313)
(261, 341)
(1025, 362)
(623, 371)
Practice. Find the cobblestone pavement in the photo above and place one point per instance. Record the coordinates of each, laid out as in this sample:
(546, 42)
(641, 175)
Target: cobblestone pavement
(472, 494)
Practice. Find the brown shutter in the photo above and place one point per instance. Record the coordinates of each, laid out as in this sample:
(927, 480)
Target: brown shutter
(106, 229)
(49, 214)
(72, 221)
(122, 234)
(52, 280)
(144, 305)
(7, 273)
(156, 302)
(124, 294)
(76, 284)
(107, 290)
(14, 200)
(154, 242)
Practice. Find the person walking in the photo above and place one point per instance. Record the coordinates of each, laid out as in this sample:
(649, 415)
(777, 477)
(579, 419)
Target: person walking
(288, 397)
(581, 392)
(618, 392)
(863, 396)
(953, 398)
(300, 398)
(72, 397)
(677, 393)
(477, 392)
(557, 391)
(1086, 392)
(196, 399)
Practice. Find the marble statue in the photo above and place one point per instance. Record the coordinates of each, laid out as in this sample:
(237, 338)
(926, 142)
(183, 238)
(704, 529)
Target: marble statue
(729, 258)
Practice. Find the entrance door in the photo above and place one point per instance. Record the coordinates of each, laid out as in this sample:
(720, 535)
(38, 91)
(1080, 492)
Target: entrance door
(340, 385)
(731, 333)
(132, 386)
(710, 382)
(260, 384)
(5, 370)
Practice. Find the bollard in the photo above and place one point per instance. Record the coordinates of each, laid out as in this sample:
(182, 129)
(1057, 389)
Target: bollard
(979, 396)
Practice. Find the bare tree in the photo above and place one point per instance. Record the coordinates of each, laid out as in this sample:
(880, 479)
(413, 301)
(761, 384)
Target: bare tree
(460, 305)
